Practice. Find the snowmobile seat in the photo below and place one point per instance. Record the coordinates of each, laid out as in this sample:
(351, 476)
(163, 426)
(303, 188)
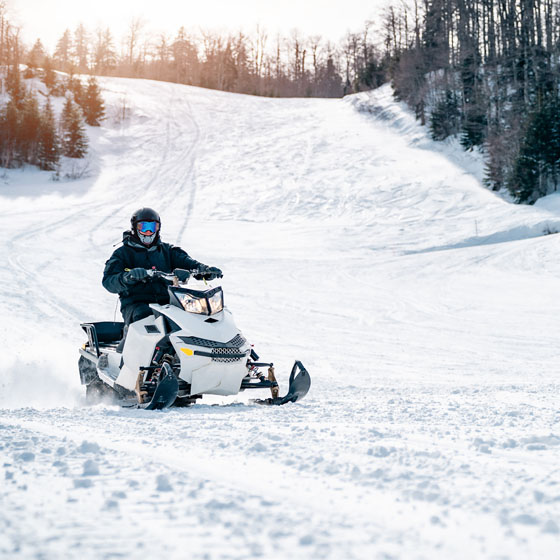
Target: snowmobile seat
(104, 333)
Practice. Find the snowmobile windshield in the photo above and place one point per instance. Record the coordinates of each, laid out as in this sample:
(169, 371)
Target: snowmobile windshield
(194, 301)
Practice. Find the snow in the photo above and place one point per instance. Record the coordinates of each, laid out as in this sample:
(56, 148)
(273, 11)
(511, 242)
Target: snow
(424, 307)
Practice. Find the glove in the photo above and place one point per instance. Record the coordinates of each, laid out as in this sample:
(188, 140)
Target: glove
(208, 273)
(135, 275)
(182, 274)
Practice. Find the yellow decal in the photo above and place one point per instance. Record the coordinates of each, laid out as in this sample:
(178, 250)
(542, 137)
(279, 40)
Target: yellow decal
(188, 351)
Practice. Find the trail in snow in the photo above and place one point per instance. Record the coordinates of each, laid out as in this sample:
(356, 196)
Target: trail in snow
(423, 306)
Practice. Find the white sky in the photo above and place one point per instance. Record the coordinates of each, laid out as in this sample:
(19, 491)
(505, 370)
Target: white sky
(47, 19)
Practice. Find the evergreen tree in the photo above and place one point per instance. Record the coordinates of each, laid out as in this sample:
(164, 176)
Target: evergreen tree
(445, 118)
(537, 165)
(474, 127)
(36, 55)
(49, 147)
(49, 76)
(184, 58)
(74, 85)
(329, 82)
(474, 116)
(74, 140)
(15, 87)
(28, 129)
(9, 130)
(81, 48)
(94, 109)
(63, 52)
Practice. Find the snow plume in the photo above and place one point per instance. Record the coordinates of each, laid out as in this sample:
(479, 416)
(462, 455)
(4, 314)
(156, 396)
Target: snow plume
(40, 382)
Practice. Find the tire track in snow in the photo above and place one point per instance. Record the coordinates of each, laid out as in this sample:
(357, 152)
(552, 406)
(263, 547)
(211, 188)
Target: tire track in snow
(28, 276)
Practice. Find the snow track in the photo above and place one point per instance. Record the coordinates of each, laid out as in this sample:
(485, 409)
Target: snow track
(424, 307)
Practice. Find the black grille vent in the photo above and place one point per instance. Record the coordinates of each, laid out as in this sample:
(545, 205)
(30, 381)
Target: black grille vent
(224, 355)
(234, 344)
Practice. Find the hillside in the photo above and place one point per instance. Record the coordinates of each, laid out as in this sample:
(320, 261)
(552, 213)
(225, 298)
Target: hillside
(424, 307)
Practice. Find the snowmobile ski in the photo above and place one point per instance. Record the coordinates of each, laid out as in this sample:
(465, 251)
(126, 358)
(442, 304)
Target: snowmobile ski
(166, 391)
(298, 388)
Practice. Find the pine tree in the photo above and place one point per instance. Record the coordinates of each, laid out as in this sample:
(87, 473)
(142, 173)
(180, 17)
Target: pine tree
(49, 76)
(74, 85)
(62, 52)
(445, 118)
(49, 147)
(15, 87)
(8, 132)
(81, 48)
(28, 130)
(94, 109)
(74, 139)
(537, 165)
(36, 55)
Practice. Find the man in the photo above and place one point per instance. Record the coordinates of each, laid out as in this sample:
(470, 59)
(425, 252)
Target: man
(126, 272)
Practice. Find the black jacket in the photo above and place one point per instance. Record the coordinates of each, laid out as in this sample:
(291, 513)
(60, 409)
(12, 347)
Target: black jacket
(132, 254)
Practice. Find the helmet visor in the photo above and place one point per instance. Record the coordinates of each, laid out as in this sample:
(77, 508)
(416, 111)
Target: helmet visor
(147, 227)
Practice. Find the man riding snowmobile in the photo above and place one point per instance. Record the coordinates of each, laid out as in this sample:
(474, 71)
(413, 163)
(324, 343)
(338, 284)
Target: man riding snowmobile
(178, 341)
(126, 271)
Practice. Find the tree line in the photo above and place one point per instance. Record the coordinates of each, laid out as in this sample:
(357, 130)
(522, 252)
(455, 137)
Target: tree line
(488, 71)
(256, 64)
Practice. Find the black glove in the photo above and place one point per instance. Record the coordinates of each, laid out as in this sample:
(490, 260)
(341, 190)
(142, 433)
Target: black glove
(208, 273)
(135, 275)
(182, 274)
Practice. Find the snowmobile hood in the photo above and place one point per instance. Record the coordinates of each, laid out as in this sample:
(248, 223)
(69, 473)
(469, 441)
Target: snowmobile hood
(131, 241)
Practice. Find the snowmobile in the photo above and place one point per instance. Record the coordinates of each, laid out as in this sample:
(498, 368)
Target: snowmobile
(186, 349)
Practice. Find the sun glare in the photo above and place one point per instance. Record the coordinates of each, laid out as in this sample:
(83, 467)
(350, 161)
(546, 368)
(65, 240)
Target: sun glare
(48, 19)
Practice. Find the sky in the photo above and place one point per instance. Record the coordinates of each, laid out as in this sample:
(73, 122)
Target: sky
(47, 19)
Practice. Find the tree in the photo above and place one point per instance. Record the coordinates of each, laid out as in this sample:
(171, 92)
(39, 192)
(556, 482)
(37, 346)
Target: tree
(63, 52)
(28, 130)
(104, 52)
(73, 135)
(74, 85)
(49, 147)
(36, 55)
(94, 109)
(9, 131)
(81, 48)
(537, 165)
(185, 58)
(15, 87)
(49, 76)
(446, 117)
(329, 82)
(134, 31)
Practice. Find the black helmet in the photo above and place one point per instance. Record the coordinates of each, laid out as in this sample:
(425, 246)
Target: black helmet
(146, 225)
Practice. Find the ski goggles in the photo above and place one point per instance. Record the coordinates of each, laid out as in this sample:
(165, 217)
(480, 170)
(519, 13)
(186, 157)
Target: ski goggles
(145, 227)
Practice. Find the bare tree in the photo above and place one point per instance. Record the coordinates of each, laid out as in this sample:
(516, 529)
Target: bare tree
(132, 39)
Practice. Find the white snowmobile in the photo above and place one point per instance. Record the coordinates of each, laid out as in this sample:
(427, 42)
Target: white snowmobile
(185, 349)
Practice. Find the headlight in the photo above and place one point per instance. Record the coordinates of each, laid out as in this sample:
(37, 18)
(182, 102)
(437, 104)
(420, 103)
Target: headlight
(216, 302)
(193, 304)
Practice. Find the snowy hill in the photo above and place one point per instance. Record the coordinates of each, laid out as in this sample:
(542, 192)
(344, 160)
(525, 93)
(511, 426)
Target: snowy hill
(424, 307)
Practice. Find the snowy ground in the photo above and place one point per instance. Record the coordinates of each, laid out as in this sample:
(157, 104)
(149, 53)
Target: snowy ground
(425, 308)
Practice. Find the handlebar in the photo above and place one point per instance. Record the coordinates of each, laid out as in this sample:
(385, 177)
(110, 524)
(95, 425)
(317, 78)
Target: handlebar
(178, 275)
(171, 277)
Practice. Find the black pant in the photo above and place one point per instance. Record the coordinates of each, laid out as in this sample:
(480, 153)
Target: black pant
(131, 313)
(135, 312)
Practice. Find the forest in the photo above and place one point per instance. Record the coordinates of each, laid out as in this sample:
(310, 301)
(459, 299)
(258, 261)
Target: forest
(485, 71)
